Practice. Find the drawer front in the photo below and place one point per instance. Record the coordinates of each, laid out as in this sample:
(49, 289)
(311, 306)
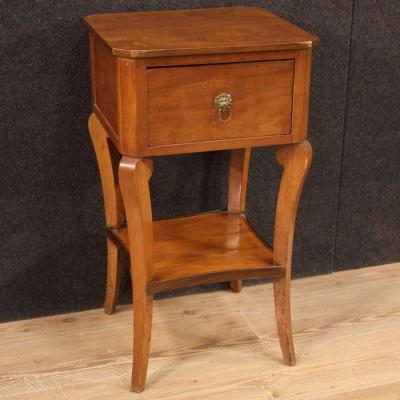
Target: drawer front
(181, 102)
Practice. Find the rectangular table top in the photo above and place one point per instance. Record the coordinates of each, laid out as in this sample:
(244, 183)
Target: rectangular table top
(197, 31)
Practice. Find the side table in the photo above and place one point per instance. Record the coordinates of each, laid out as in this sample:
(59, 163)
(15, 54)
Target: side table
(187, 81)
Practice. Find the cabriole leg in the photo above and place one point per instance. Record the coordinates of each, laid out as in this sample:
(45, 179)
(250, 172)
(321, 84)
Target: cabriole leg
(108, 160)
(134, 175)
(296, 161)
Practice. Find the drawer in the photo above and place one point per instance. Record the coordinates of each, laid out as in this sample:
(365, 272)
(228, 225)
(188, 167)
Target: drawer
(166, 105)
(182, 105)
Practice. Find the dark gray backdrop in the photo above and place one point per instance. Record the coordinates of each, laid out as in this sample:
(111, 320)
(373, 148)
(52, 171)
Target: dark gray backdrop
(52, 247)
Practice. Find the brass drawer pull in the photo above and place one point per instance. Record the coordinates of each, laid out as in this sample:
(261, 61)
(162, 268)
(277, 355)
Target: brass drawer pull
(223, 103)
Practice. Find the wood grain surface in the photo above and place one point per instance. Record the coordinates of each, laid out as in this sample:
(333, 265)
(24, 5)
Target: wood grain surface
(181, 101)
(165, 105)
(205, 248)
(296, 162)
(134, 175)
(220, 346)
(104, 78)
(201, 31)
(108, 160)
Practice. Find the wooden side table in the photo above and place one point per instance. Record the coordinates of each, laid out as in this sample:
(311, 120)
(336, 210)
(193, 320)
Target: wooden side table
(189, 81)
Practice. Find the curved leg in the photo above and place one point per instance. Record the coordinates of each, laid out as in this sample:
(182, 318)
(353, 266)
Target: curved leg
(134, 175)
(108, 159)
(296, 161)
(238, 174)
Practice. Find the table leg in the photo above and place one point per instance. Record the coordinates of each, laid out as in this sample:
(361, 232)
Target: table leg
(296, 161)
(108, 160)
(238, 175)
(134, 176)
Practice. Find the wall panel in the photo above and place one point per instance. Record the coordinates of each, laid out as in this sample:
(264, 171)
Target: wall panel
(368, 230)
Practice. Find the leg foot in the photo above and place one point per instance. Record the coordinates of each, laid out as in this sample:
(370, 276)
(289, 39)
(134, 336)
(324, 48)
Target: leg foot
(236, 286)
(283, 319)
(143, 310)
(113, 278)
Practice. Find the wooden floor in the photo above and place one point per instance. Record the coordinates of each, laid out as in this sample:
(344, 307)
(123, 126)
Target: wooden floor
(220, 345)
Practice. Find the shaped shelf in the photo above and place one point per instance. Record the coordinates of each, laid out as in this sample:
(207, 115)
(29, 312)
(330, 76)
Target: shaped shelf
(205, 248)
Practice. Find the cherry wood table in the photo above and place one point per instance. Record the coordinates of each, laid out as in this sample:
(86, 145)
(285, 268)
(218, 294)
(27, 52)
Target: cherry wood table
(189, 81)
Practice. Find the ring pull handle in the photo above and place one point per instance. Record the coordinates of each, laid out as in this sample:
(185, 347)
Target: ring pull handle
(223, 103)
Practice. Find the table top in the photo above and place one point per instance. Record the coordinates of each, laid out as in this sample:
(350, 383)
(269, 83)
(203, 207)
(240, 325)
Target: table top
(197, 31)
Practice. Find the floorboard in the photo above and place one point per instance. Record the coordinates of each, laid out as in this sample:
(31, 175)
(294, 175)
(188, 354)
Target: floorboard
(220, 345)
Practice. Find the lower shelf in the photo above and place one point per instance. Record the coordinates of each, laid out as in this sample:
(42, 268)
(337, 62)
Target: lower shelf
(206, 248)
